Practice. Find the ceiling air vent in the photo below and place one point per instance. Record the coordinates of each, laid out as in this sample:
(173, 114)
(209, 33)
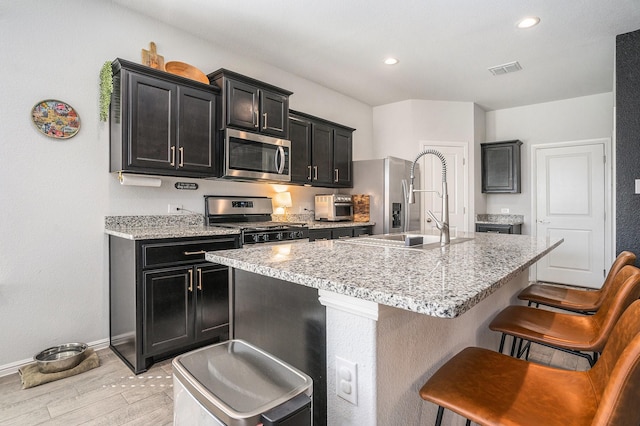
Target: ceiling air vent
(505, 68)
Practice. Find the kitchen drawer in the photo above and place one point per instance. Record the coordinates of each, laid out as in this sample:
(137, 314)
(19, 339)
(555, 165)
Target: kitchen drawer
(361, 231)
(183, 252)
(498, 228)
(319, 234)
(341, 233)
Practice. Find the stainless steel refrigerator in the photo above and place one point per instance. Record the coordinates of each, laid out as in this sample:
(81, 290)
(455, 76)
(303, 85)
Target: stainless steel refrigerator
(382, 181)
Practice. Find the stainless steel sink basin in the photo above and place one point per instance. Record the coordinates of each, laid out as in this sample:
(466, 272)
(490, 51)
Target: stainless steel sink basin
(403, 241)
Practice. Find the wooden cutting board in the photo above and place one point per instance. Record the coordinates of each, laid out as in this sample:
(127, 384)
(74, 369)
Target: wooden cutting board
(151, 58)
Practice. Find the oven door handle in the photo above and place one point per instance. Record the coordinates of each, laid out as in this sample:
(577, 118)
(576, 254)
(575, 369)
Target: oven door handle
(280, 154)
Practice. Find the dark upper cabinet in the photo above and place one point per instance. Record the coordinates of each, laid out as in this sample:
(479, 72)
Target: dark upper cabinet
(501, 167)
(252, 105)
(342, 153)
(162, 124)
(321, 151)
(300, 135)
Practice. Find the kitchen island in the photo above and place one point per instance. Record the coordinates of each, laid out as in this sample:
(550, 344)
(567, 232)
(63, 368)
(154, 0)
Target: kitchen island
(398, 313)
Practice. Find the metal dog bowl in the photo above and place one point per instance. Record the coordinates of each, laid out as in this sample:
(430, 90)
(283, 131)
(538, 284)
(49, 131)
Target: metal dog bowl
(60, 358)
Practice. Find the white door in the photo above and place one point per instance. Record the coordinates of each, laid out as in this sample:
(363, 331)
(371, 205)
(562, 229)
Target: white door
(570, 184)
(455, 156)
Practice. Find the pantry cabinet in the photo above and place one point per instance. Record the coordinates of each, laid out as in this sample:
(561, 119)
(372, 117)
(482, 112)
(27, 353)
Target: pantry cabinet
(162, 124)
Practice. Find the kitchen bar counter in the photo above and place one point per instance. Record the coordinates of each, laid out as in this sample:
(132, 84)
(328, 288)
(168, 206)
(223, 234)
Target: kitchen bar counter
(442, 283)
(397, 314)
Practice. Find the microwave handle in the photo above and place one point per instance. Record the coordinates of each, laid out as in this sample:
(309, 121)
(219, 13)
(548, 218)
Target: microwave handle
(279, 153)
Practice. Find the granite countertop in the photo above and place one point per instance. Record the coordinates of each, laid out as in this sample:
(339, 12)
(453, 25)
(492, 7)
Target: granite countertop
(500, 219)
(189, 225)
(316, 224)
(162, 226)
(438, 282)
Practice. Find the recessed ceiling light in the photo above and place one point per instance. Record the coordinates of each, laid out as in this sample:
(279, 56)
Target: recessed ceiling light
(391, 61)
(528, 22)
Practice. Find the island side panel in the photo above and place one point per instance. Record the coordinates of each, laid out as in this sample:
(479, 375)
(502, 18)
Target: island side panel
(287, 321)
(411, 347)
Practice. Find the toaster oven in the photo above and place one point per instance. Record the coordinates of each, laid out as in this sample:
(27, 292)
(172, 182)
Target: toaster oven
(333, 207)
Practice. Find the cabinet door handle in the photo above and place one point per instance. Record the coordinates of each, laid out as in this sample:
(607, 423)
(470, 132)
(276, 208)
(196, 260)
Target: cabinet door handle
(181, 163)
(337, 175)
(257, 123)
(191, 253)
(264, 123)
(315, 172)
(309, 177)
(191, 280)
(173, 155)
(200, 279)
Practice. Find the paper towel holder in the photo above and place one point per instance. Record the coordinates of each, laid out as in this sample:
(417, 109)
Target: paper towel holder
(133, 180)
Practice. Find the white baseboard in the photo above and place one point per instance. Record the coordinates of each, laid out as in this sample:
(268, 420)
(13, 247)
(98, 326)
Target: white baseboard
(13, 367)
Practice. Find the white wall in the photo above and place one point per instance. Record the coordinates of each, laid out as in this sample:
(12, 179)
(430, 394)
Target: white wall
(399, 129)
(55, 194)
(588, 117)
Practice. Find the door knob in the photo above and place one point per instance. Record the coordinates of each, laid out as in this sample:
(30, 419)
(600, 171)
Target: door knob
(543, 221)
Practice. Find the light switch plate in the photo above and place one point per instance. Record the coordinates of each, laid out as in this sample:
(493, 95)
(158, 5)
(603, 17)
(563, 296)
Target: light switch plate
(637, 186)
(504, 211)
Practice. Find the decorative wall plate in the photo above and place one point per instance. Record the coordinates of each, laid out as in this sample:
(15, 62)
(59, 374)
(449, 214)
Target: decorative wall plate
(55, 119)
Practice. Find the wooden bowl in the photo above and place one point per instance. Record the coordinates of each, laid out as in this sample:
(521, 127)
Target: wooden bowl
(186, 70)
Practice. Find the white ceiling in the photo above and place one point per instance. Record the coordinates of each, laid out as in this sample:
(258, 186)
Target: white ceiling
(444, 46)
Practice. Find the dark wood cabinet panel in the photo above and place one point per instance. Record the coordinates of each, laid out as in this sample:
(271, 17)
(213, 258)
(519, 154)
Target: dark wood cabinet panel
(342, 162)
(274, 113)
(252, 105)
(319, 234)
(300, 135)
(212, 304)
(159, 307)
(167, 311)
(501, 167)
(162, 124)
(321, 152)
(151, 133)
(241, 105)
(196, 130)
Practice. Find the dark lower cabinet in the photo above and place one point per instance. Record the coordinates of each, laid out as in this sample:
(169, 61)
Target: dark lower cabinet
(340, 232)
(499, 228)
(165, 299)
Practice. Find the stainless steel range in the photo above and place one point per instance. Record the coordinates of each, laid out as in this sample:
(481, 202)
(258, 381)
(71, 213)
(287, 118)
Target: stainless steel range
(252, 216)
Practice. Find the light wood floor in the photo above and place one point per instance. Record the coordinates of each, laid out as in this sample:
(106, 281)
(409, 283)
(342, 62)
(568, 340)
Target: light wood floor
(112, 395)
(108, 395)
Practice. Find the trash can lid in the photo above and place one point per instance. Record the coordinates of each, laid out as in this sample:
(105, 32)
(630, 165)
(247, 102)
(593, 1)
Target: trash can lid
(237, 380)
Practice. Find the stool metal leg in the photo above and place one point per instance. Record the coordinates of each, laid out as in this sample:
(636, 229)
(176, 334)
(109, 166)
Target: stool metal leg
(502, 342)
(439, 416)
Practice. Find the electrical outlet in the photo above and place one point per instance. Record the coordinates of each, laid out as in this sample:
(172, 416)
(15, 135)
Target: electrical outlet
(504, 211)
(347, 380)
(175, 208)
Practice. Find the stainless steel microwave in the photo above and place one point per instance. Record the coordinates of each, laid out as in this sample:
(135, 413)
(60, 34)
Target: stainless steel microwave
(256, 157)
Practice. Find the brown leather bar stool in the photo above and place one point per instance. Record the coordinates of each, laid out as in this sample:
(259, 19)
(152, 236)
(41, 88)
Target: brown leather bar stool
(576, 300)
(572, 333)
(494, 389)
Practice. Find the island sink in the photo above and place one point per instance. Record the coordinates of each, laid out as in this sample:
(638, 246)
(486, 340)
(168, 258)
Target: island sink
(403, 241)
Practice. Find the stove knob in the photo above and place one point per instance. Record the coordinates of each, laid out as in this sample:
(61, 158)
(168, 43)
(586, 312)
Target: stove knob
(279, 236)
(256, 238)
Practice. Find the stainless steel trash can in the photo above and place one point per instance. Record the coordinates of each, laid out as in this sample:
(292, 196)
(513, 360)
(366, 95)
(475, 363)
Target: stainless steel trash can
(237, 384)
